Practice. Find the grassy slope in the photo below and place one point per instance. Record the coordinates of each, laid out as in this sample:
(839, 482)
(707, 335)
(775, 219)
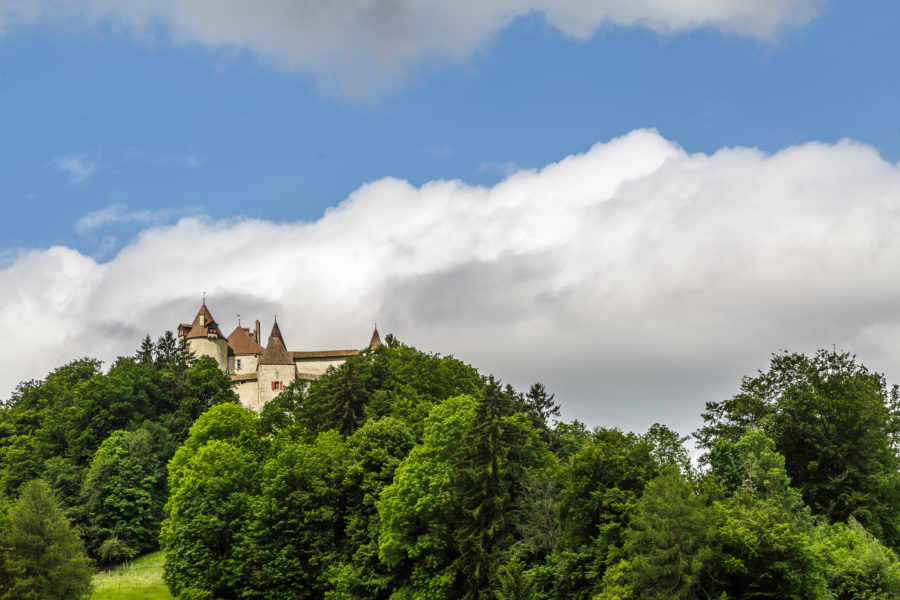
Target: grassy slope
(138, 580)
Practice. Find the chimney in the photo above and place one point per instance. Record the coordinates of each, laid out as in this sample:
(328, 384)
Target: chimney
(202, 320)
(256, 332)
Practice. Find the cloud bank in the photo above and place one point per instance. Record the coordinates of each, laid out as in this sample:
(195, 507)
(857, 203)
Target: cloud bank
(636, 280)
(361, 47)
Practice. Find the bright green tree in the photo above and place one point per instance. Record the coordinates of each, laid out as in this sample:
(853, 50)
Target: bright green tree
(421, 510)
(599, 488)
(208, 508)
(857, 564)
(214, 481)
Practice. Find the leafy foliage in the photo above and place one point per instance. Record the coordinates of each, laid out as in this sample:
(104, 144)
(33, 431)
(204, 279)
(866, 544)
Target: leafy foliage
(835, 424)
(102, 440)
(402, 475)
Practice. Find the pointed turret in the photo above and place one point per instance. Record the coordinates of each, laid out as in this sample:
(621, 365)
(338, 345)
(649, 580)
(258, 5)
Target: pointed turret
(205, 337)
(376, 339)
(276, 351)
(204, 325)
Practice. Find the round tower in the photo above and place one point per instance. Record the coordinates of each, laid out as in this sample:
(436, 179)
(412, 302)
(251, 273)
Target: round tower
(205, 338)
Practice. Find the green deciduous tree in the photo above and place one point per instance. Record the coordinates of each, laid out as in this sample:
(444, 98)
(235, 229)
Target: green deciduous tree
(373, 454)
(449, 518)
(857, 565)
(834, 422)
(296, 527)
(124, 493)
(207, 511)
(213, 483)
(599, 488)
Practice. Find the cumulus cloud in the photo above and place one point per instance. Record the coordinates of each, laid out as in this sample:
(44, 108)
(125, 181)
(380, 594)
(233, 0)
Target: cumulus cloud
(358, 47)
(77, 167)
(636, 280)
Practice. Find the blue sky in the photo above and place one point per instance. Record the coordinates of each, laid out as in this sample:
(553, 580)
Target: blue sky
(184, 128)
(606, 163)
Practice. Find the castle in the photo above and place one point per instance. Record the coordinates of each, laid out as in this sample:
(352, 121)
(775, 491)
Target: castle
(259, 373)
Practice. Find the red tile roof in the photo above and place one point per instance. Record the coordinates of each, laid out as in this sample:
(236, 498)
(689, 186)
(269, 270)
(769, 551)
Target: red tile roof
(239, 342)
(209, 325)
(323, 354)
(376, 339)
(276, 353)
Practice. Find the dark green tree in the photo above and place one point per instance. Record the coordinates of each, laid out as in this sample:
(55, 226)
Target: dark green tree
(449, 518)
(146, 351)
(373, 454)
(835, 424)
(296, 527)
(124, 495)
(349, 397)
(540, 405)
(44, 554)
(487, 530)
(669, 542)
(203, 385)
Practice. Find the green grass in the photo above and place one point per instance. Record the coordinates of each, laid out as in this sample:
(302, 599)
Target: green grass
(136, 580)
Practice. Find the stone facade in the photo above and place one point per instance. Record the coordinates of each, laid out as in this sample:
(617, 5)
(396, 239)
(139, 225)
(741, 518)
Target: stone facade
(259, 373)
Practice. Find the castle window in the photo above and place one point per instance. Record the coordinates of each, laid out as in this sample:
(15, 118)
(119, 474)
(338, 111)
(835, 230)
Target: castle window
(277, 386)
(237, 364)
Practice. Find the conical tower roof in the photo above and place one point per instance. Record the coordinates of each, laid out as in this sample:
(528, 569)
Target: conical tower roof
(376, 339)
(276, 352)
(200, 328)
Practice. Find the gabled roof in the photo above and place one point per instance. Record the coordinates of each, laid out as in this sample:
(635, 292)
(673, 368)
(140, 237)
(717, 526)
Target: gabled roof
(239, 342)
(376, 339)
(201, 331)
(276, 353)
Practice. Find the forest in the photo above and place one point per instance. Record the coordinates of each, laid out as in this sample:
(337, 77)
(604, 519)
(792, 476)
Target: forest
(409, 475)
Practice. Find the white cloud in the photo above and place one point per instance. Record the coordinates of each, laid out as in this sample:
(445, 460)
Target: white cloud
(637, 281)
(359, 47)
(119, 213)
(77, 167)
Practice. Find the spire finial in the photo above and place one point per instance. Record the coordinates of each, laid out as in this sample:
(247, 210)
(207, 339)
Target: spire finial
(204, 297)
(239, 319)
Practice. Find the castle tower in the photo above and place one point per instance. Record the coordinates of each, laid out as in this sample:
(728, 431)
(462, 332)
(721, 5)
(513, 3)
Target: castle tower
(275, 368)
(376, 339)
(204, 337)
